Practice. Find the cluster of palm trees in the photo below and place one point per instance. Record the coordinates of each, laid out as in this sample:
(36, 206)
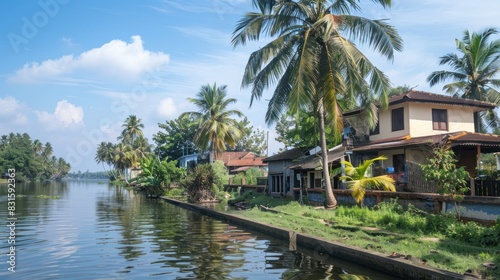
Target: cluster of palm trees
(127, 153)
(32, 160)
(52, 167)
(313, 65)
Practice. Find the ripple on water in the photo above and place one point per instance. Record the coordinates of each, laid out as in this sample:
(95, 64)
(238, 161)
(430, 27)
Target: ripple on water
(99, 231)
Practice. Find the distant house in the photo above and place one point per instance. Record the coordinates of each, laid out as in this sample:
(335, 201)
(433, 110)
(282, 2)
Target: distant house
(280, 179)
(300, 168)
(241, 161)
(188, 160)
(414, 122)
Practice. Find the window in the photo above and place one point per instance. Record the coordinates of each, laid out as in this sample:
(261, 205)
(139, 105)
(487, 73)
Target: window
(439, 119)
(398, 119)
(398, 161)
(277, 184)
(376, 129)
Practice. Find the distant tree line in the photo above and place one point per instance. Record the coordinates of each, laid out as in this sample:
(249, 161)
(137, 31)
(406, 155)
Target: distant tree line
(88, 175)
(31, 159)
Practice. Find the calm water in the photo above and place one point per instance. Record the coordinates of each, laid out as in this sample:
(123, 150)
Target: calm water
(100, 231)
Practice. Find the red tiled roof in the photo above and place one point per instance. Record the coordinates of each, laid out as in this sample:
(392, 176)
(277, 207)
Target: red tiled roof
(257, 161)
(469, 138)
(427, 97)
(237, 159)
(228, 156)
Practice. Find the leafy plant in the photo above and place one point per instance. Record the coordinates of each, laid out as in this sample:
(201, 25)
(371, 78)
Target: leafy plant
(157, 175)
(450, 180)
(201, 183)
(250, 176)
(221, 174)
(359, 180)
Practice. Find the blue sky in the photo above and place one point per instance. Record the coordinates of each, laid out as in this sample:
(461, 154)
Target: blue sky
(72, 70)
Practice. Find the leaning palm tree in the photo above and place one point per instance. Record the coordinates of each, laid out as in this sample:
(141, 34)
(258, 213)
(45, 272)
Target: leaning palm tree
(359, 181)
(132, 128)
(473, 73)
(217, 128)
(313, 60)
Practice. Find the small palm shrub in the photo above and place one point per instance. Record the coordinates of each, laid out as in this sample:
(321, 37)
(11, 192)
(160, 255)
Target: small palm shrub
(200, 183)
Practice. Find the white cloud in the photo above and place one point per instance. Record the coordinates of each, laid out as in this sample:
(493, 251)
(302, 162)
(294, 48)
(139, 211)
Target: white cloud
(9, 105)
(66, 115)
(114, 59)
(20, 119)
(13, 112)
(166, 108)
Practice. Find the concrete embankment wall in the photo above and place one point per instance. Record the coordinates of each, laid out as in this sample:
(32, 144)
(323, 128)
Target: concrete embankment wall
(397, 267)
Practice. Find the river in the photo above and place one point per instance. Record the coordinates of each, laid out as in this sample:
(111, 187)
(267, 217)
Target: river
(95, 230)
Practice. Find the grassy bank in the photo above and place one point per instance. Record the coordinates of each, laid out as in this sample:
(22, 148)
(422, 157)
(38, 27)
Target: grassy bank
(434, 240)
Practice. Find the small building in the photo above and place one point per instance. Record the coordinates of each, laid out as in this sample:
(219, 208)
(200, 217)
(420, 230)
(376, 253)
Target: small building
(188, 160)
(241, 161)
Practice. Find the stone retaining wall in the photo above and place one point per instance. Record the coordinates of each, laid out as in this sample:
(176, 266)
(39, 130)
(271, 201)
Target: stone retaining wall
(397, 267)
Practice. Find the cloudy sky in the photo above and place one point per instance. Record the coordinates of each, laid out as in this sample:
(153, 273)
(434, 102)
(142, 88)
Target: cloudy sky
(72, 71)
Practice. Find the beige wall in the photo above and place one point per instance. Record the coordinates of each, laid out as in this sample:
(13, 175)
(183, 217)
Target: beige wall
(385, 122)
(459, 119)
(418, 120)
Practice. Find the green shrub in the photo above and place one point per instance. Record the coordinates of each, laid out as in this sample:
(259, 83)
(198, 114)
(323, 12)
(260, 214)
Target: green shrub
(221, 174)
(200, 183)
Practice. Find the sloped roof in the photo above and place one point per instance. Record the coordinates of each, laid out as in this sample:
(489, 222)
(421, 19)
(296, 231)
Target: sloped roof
(462, 138)
(238, 159)
(291, 154)
(228, 156)
(314, 161)
(432, 98)
(256, 161)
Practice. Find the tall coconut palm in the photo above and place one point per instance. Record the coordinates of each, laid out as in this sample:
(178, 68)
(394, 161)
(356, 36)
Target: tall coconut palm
(216, 125)
(313, 60)
(37, 147)
(359, 181)
(123, 158)
(105, 153)
(47, 151)
(142, 147)
(132, 128)
(473, 73)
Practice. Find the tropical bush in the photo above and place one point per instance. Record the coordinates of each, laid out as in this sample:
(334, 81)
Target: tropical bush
(158, 175)
(221, 174)
(250, 176)
(443, 171)
(200, 183)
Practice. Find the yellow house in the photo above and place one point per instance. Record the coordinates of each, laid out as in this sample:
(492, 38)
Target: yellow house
(413, 123)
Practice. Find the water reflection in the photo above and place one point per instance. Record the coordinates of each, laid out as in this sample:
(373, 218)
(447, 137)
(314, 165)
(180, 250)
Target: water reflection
(104, 231)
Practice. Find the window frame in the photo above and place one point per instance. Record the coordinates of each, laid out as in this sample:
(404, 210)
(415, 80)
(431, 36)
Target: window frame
(437, 122)
(398, 119)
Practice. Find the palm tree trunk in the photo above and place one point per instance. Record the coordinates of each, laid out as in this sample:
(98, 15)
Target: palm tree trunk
(331, 201)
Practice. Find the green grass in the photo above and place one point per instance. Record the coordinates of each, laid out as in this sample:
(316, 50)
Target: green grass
(436, 240)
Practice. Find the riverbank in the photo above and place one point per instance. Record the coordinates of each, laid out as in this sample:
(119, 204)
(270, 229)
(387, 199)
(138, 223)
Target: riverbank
(404, 255)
